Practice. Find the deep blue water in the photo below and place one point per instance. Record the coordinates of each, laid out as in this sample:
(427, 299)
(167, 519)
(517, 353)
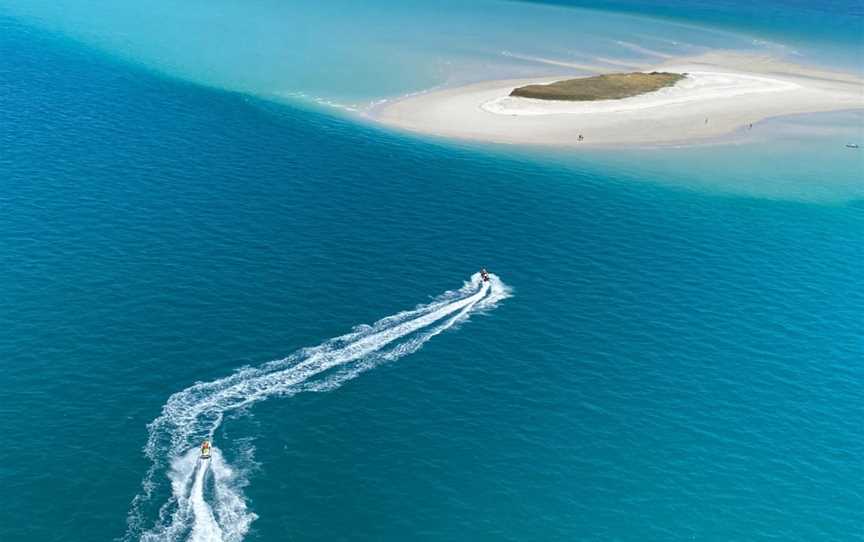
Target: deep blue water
(673, 364)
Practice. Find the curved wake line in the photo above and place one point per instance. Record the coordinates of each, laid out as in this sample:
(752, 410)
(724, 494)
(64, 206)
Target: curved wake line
(197, 411)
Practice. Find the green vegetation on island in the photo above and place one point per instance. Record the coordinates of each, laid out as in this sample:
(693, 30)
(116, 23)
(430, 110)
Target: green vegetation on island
(613, 86)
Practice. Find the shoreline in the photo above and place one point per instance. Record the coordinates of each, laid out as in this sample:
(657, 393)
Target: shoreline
(725, 93)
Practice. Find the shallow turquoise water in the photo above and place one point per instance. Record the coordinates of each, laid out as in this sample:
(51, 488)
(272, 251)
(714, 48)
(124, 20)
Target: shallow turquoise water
(680, 358)
(824, 32)
(346, 54)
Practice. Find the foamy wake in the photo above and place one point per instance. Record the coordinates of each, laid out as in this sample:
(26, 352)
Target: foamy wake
(206, 501)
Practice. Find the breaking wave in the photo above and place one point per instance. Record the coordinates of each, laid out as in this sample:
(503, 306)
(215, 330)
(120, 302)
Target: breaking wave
(205, 501)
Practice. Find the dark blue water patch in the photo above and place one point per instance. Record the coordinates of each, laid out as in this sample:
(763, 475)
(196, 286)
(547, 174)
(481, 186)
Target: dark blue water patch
(673, 365)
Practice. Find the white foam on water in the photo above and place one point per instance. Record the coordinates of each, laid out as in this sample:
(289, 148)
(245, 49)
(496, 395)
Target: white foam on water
(308, 98)
(204, 526)
(207, 502)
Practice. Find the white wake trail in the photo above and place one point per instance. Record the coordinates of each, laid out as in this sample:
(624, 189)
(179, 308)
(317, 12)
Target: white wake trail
(205, 528)
(206, 502)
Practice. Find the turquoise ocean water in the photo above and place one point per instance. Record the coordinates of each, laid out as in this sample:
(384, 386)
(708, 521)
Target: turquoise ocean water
(670, 349)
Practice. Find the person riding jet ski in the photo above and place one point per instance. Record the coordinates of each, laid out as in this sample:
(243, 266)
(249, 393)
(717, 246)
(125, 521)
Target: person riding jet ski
(205, 449)
(484, 275)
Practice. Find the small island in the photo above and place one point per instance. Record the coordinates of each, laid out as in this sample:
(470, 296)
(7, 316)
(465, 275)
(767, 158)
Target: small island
(613, 86)
(682, 100)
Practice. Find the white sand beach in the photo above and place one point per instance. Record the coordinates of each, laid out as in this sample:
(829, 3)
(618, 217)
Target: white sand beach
(722, 92)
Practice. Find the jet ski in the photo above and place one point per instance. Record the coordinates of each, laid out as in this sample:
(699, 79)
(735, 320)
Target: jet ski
(484, 275)
(852, 145)
(205, 449)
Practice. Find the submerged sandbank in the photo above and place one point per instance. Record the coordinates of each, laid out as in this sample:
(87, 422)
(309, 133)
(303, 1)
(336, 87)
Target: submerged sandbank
(722, 92)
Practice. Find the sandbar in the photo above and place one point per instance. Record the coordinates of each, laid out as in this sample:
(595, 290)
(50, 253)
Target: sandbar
(723, 92)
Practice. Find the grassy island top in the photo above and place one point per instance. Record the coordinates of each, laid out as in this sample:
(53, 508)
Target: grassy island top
(613, 86)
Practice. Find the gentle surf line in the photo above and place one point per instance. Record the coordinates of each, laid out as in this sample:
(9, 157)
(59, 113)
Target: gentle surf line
(197, 411)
